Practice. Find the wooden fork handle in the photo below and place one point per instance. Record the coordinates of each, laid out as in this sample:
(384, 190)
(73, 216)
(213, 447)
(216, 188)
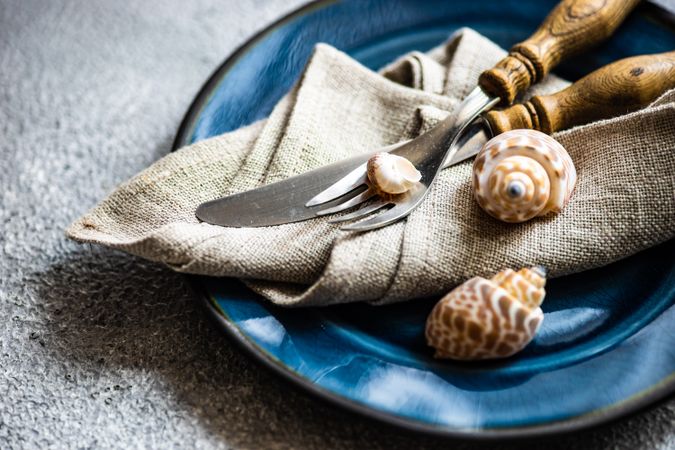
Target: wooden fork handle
(572, 27)
(618, 88)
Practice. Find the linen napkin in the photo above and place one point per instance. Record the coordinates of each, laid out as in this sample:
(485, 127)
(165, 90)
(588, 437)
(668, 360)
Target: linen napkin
(624, 200)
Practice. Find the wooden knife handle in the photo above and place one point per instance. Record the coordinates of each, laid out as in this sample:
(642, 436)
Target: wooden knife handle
(572, 27)
(618, 88)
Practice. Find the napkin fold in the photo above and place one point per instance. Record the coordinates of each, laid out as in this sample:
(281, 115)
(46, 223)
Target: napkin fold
(624, 200)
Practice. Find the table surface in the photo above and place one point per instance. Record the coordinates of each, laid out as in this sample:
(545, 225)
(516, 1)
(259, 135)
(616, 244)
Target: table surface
(99, 349)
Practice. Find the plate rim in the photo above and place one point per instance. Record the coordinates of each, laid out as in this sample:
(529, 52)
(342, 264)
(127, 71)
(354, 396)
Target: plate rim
(629, 407)
(603, 417)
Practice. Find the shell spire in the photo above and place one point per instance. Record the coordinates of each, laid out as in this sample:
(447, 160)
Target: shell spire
(521, 174)
(488, 318)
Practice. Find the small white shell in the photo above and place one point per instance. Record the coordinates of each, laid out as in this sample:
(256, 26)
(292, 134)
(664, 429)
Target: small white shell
(392, 174)
(486, 319)
(521, 174)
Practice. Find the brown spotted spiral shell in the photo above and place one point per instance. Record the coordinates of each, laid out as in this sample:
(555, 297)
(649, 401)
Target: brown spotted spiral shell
(521, 174)
(486, 319)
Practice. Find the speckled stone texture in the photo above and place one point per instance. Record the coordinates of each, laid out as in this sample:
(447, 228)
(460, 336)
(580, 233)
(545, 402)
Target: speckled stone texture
(99, 349)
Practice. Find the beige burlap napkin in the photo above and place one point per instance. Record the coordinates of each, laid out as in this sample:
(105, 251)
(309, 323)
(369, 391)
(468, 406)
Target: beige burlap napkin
(624, 200)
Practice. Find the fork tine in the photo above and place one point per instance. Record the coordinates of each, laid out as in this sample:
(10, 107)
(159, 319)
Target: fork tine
(349, 182)
(346, 184)
(380, 220)
(356, 200)
(362, 212)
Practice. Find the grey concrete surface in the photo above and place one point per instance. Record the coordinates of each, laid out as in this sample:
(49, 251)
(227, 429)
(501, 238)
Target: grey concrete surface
(99, 349)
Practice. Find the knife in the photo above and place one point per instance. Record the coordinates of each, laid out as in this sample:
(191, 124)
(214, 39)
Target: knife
(284, 201)
(618, 88)
(570, 27)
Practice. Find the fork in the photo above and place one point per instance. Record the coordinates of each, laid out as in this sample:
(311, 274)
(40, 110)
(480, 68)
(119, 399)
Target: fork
(427, 152)
(573, 26)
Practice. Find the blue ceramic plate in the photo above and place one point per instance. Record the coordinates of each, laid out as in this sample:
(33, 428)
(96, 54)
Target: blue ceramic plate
(607, 346)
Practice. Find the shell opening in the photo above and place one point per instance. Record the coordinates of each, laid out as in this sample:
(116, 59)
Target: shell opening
(392, 174)
(407, 169)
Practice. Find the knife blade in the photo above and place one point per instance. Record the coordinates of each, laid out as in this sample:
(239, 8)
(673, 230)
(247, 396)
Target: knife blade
(526, 64)
(284, 201)
(618, 88)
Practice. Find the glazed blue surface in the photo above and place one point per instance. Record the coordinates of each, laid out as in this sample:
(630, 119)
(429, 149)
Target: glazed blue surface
(607, 343)
(607, 336)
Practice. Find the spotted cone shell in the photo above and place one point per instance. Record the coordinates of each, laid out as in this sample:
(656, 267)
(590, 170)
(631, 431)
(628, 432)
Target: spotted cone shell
(521, 174)
(488, 318)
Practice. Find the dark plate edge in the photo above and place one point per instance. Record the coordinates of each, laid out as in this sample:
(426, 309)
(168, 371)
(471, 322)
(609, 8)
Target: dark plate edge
(653, 11)
(202, 97)
(647, 399)
(602, 418)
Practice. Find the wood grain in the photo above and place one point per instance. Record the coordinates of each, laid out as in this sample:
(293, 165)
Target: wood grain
(572, 27)
(618, 88)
